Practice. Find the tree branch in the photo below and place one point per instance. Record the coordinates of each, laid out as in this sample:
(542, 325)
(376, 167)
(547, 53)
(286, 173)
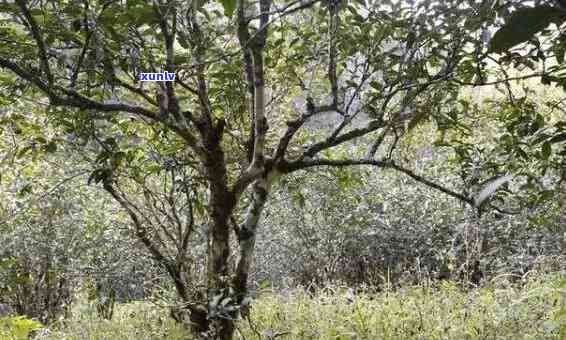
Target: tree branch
(243, 39)
(333, 26)
(36, 33)
(334, 140)
(169, 37)
(304, 164)
(294, 125)
(256, 47)
(197, 44)
(141, 233)
(65, 97)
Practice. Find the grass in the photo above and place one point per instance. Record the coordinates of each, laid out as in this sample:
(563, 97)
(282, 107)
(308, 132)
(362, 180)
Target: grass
(537, 310)
(136, 320)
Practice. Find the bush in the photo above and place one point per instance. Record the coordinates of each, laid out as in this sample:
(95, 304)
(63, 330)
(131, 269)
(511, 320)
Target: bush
(52, 245)
(17, 327)
(386, 229)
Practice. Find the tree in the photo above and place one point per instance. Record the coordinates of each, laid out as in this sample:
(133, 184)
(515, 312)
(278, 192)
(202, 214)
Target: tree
(235, 120)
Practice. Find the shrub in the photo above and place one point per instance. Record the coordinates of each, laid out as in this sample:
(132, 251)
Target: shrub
(17, 327)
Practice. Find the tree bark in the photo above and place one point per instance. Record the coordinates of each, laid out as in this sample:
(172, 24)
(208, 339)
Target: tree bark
(248, 230)
(221, 204)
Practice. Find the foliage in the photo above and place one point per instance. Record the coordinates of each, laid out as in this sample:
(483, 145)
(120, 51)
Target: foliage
(134, 320)
(443, 311)
(531, 24)
(367, 226)
(440, 311)
(388, 231)
(523, 24)
(192, 163)
(17, 327)
(50, 242)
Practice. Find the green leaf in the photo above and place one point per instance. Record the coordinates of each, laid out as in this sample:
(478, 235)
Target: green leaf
(561, 137)
(523, 25)
(26, 189)
(560, 48)
(154, 168)
(18, 327)
(99, 175)
(521, 153)
(183, 41)
(8, 8)
(117, 158)
(50, 147)
(142, 14)
(22, 152)
(298, 198)
(229, 7)
(546, 150)
(376, 85)
(265, 283)
(545, 195)
(559, 51)
(351, 83)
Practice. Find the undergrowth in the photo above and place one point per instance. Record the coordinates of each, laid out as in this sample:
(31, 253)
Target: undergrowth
(535, 310)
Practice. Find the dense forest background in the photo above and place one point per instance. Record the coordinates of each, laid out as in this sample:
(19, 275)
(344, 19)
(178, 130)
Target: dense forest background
(318, 169)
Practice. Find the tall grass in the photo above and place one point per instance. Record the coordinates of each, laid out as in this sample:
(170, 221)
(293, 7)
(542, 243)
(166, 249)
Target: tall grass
(536, 310)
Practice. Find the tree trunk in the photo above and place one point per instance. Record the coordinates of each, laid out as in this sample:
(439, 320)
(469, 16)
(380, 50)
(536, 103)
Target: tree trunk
(247, 233)
(195, 318)
(222, 327)
(221, 203)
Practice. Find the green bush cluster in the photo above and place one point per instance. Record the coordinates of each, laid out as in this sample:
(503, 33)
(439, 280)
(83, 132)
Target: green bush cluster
(17, 327)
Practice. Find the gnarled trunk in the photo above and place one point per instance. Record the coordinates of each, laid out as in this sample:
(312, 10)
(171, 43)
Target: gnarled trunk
(221, 204)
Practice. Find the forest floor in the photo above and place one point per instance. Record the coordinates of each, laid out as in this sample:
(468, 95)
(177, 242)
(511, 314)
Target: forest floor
(534, 310)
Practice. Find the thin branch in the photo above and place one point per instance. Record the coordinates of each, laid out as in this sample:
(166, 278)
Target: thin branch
(333, 26)
(336, 140)
(244, 38)
(376, 144)
(495, 82)
(66, 97)
(304, 164)
(198, 50)
(36, 33)
(141, 232)
(286, 10)
(169, 37)
(89, 33)
(135, 90)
